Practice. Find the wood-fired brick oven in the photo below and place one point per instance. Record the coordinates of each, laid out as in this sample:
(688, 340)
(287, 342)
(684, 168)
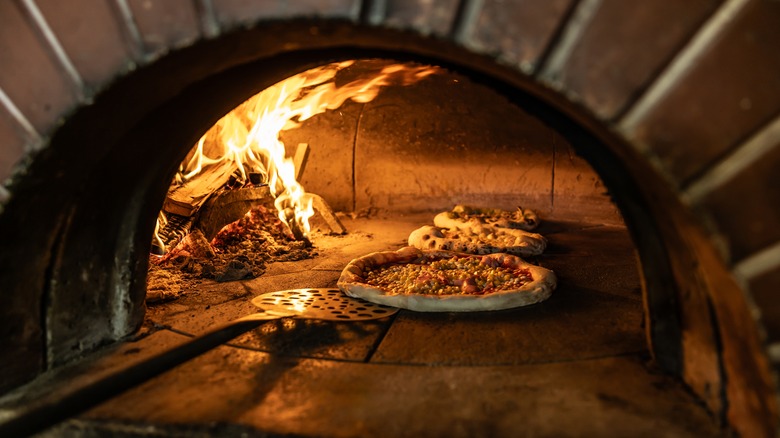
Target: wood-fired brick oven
(675, 147)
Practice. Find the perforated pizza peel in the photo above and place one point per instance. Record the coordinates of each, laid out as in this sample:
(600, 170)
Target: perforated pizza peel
(313, 303)
(323, 304)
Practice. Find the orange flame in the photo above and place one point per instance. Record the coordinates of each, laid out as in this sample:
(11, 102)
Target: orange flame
(248, 136)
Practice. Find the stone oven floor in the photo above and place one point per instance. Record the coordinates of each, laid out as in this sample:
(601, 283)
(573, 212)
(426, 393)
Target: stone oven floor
(575, 365)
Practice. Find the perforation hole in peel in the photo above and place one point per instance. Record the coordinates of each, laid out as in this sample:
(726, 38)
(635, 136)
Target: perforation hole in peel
(326, 304)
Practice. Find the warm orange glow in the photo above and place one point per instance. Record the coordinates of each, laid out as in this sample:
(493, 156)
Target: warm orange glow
(248, 136)
(162, 220)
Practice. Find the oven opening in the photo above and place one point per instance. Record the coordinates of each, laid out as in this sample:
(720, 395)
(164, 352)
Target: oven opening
(348, 159)
(383, 141)
(336, 161)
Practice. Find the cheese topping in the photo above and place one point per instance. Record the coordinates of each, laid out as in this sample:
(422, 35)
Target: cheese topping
(449, 276)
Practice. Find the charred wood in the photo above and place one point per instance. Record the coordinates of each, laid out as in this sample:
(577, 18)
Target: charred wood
(324, 210)
(187, 198)
(171, 232)
(230, 206)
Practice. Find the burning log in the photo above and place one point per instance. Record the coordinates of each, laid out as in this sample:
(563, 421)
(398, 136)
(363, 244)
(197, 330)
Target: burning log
(171, 233)
(187, 198)
(198, 245)
(322, 207)
(202, 203)
(298, 233)
(229, 206)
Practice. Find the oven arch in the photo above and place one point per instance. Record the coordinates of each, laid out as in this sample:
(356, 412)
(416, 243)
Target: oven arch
(67, 249)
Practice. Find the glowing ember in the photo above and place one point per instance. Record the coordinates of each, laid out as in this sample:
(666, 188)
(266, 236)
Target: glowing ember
(241, 250)
(248, 136)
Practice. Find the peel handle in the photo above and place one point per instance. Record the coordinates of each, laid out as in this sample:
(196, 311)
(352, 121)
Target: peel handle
(48, 411)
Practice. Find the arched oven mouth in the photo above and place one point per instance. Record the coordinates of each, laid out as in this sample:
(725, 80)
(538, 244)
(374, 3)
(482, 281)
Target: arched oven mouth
(380, 167)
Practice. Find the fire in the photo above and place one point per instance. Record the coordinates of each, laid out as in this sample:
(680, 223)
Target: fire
(248, 136)
(162, 220)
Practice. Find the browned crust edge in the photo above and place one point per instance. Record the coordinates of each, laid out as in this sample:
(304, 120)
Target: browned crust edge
(531, 243)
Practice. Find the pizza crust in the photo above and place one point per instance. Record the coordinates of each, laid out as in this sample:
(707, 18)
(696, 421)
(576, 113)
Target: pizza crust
(353, 284)
(478, 220)
(489, 241)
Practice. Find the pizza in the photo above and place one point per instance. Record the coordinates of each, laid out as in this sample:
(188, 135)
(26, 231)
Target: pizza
(484, 241)
(476, 220)
(445, 281)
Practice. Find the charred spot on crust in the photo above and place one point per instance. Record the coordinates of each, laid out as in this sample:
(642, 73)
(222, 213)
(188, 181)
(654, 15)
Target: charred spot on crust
(432, 244)
(426, 236)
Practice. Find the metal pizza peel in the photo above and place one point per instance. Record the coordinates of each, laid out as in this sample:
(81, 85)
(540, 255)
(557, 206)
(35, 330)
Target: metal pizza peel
(327, 304)
(322, 304)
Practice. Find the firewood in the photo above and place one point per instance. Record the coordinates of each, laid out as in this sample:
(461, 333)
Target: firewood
(229, 206)
(187, 198)
(197, 245)
(171, 233)
(322, 207)
(298, 233)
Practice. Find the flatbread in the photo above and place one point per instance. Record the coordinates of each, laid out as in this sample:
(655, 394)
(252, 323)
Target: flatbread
(353, 283)
(477, 219)
(488, 241)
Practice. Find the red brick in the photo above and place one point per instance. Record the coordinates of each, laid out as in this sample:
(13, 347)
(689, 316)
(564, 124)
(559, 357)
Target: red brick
(91, 35)
(30, 76)
(519, 33)
(731, 91)
(165, 23)
(746, 209)
(431, 17)
(234, 12)
(625, 45)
